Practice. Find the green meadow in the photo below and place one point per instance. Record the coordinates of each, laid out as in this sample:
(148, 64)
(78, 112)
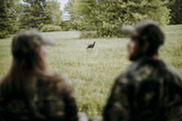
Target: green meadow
(93, 71)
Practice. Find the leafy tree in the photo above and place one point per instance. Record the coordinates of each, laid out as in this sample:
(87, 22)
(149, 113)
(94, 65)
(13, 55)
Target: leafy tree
(82, 14)
(176, 12)
(8, 17)
(66, 25)
(38, 12)
(53, 9)
(106, 16)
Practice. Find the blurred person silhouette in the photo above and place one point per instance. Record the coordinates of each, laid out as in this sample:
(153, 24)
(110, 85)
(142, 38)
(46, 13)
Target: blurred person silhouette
(29, 92)
(149, 90)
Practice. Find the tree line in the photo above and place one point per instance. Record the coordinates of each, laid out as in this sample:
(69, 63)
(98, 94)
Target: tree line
(102, 16)
(17, 15)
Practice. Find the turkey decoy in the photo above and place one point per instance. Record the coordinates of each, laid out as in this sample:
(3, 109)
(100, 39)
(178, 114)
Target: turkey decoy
(91, 45)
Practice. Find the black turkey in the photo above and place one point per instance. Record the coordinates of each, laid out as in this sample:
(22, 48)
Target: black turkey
(91, 45)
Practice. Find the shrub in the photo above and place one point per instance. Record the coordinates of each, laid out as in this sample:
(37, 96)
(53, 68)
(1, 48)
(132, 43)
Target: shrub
(66, 25)
(50, 28)
(4, 34)
(88, 34)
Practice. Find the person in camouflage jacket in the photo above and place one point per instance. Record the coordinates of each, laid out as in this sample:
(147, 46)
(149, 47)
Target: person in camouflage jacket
(149, 90)
(29, 92)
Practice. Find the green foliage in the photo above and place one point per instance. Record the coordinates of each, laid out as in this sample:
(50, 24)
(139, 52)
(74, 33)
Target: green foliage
(176, 12)
(106, 16)
(66, 25)
(33, 14)
(36, 12)
(80, 17)
(8, 17)
(50, 28)
(88, 34)
(53, 9)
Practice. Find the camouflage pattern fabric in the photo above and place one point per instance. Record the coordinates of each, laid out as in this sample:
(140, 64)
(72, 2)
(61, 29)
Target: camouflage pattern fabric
(148, 91)
(52, 101)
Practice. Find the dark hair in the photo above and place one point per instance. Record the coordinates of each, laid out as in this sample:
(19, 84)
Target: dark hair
(154, 36)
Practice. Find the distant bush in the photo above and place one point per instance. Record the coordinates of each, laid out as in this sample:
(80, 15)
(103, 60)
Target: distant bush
(4, 34)
(50, 28)
(88, 34)
(67, 26)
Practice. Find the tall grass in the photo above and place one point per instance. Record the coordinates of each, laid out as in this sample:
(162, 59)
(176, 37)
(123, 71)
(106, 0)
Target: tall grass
(92, 71)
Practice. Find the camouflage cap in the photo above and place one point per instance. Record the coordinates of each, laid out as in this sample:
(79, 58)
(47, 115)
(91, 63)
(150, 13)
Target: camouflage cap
(135, 30)
(33, 37)
(24, 42)
(37, 38)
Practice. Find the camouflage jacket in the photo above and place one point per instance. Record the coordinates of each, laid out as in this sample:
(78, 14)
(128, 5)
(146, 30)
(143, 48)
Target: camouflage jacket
(148, 91)
(53, 100)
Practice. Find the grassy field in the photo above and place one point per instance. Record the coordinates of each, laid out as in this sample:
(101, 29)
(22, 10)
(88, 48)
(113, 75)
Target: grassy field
(92, 71)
